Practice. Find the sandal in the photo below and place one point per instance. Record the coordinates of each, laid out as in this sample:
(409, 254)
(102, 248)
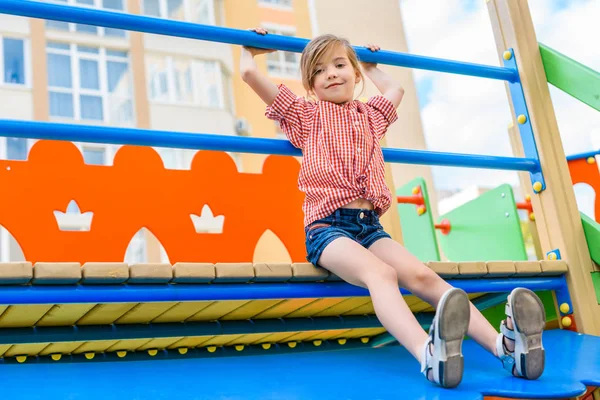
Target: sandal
(528, 318)
(446, 334)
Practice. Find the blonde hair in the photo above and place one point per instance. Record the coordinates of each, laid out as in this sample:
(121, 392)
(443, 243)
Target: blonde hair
(319, 46)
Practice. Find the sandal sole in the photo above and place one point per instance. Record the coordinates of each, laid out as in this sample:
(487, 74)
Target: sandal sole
(529, 321)
(453, 323)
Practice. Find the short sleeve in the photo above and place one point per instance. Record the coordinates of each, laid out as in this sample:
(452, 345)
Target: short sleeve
(293, 113)
(381, 114)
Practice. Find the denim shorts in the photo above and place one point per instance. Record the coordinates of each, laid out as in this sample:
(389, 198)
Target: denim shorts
(360, 225)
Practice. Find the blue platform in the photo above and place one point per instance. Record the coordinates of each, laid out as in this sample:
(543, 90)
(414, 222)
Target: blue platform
(573, 361)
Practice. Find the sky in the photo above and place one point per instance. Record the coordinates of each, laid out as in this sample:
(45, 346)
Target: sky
(471, 115)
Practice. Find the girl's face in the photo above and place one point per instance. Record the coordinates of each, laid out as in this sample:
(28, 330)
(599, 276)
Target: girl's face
(334, 77)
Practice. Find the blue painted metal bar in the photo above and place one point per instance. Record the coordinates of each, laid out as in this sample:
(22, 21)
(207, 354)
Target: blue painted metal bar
(82, 333)
(579, 156)
(138, 23)
(524, 124)
(200, 141)
(13, 295)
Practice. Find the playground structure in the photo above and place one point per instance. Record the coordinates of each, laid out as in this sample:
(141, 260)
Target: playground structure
(211, 324)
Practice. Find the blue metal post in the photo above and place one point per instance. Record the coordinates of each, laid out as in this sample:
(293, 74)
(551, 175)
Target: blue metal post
(524, 122)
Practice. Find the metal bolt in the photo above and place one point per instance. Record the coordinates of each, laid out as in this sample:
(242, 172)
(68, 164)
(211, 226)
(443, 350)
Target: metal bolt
(503, 195)
(506, 215)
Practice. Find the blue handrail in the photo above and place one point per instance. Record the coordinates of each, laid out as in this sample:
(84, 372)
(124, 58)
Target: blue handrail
(238, 144)
(118, 20)
(579, 156)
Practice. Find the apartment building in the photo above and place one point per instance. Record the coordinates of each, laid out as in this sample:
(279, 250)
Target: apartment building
(82, 74)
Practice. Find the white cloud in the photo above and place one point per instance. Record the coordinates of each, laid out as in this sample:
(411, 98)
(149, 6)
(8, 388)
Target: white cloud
(470, 115)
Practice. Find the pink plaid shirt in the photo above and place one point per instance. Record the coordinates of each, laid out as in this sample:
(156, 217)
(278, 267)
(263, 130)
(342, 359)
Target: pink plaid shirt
(342, 159)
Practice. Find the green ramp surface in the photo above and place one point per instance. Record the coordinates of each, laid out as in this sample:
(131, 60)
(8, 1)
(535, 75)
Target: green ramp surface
(574, 78)
(418, 231)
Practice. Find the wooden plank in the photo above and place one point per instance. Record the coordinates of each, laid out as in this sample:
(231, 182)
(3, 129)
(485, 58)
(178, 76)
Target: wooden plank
(497, 269)
(56, 273)
(64, 314)
(182, 311)
(23, 315)
(234, 272)
(444, 269)
(60, 348)
(528, 268)
(103, 314)
(145, 312)
(308, 272)
(193, 272)
(250, 309)
(315, 307)
(105, 273)
(275, 337)
(162, 343)
(272, 272)
(284, 308)
(25, 349)
(349, 304)
(94, 347)
(15, 273)
(127, 345)
(150, 273)
(216, 310)
(556, 213)
(472, 269)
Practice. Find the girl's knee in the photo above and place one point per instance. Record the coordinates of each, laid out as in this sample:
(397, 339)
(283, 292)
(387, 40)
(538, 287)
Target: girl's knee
(381, 273)
(424, 277)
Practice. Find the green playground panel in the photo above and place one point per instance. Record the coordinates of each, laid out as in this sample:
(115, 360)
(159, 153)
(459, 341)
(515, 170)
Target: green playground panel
(484, 229)
(571, 77)
(592, 235)
(417, 230)
(496, 314)
(596, 282)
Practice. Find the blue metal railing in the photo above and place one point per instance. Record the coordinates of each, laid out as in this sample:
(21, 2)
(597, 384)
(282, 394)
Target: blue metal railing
(238, 144)
(118, 20)
(579, 156)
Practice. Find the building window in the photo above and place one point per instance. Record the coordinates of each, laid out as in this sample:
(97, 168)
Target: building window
(13, 61)
(276, 3)
(110, 5)
(185, 81)
(94, 155)
(89, 83)
(16, 148)
(197, 11)
(283, 63)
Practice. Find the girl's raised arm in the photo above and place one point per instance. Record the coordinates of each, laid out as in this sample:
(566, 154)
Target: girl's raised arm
(263, 87)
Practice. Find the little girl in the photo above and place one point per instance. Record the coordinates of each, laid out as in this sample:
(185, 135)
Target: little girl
(343, 177)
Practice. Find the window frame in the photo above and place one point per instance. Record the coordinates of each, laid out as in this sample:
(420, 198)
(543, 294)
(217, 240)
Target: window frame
(171, 98)
(276, 5)
(187, 11)
(101, 30)
(287, 30)
(26, 62)
(102, 58)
